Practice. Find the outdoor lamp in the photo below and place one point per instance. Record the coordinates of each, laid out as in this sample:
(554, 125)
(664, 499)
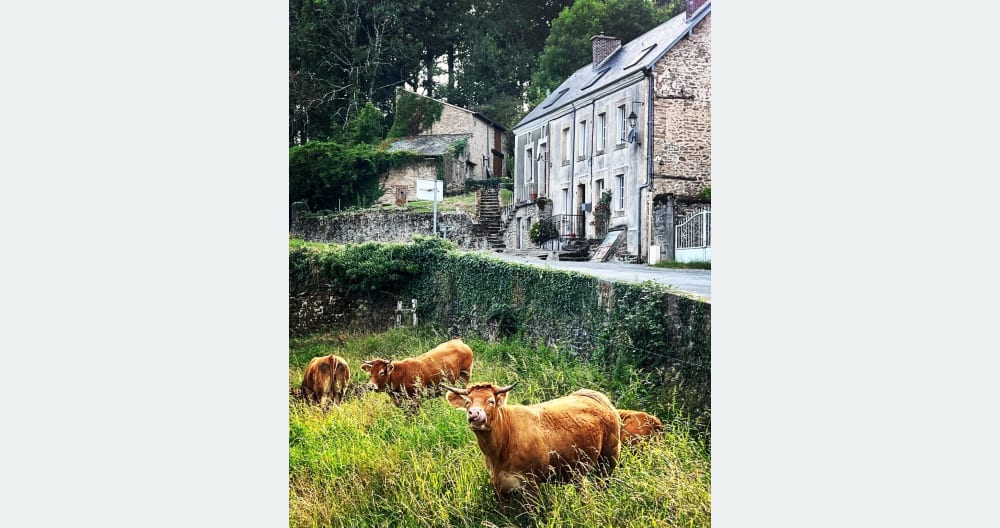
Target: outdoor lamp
(632, 120)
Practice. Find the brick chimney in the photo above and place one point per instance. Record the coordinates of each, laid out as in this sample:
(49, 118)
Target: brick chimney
(603, 47)
(692, 7)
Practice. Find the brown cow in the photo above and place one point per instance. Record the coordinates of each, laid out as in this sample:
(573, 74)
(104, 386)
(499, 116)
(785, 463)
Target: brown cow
(450, 361)
(554, 441)
(326, 380)
(638, 426)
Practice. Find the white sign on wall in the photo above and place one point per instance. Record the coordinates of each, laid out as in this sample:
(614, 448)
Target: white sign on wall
(425, 189)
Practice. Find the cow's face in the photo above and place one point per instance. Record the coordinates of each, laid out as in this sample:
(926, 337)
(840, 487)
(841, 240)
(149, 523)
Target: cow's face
(379, 370)
(480, 403)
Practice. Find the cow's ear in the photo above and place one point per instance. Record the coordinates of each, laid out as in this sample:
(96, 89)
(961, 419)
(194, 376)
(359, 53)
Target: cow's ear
(501, 399)
(366, 366)
(389, 367)
(456, 400)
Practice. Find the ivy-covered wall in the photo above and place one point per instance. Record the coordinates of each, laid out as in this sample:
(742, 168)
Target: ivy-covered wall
(414, 114)
(619, 325)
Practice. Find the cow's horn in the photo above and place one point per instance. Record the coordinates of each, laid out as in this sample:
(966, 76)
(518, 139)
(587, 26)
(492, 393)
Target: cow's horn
(502, 390)
(456, 391)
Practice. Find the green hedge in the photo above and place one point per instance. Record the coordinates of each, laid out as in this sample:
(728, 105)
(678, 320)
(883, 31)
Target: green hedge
(330, 175)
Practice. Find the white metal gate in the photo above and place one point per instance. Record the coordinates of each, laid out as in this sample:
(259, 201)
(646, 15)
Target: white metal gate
(693, 238)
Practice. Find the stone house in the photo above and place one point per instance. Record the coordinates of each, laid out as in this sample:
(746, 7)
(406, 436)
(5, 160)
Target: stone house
(458, 146)
(635, 122)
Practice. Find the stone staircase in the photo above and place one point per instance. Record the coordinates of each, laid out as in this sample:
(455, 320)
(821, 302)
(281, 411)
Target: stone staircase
(627, 258)
(575, 251)
(488, 207)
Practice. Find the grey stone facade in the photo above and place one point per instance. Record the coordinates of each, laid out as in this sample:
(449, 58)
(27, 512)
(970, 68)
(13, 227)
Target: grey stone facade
(582, 135)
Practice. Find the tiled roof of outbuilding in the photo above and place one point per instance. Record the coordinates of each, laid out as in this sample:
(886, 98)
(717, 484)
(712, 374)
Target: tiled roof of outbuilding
(436, 145)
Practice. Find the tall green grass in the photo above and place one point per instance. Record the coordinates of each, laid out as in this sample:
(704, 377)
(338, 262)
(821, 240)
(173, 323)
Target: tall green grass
(371, 463)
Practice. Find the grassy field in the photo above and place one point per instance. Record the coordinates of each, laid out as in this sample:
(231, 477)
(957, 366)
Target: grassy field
(369, 463)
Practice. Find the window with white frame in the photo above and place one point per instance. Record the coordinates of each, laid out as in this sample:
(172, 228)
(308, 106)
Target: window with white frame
(566, 146)
(581, 139)
(565, 200)
(602, 131)
(621, 124)
(599, 186)
(620, 192)
(528, 165)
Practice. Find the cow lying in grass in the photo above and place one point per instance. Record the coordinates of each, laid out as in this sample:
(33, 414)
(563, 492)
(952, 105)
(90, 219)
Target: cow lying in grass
(325, 380)
(637, 426)
(555, 441)
(407, 379)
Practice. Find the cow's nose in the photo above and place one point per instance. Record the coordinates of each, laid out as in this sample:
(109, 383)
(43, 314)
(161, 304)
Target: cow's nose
(476, 415)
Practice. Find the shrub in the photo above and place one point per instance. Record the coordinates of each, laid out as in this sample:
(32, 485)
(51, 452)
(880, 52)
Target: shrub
(542, 232)
(331, 175)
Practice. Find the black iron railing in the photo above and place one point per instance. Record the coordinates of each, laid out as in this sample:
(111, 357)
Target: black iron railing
(569, 226)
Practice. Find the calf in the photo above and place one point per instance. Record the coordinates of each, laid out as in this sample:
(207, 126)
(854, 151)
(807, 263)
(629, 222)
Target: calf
(555, 441)
(638, 426)
(450, 361)
(325, 380)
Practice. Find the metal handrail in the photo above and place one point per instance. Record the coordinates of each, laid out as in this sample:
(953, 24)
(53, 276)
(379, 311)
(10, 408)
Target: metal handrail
(568, 224)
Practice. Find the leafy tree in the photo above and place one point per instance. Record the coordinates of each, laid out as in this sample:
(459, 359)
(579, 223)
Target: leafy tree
(568, 47)
(367, 126)
(342, 54)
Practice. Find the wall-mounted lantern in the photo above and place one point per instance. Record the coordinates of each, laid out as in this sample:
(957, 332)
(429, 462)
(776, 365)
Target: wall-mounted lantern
(633, 120)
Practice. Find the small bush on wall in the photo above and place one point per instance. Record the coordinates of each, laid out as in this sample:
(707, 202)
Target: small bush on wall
(542, 232)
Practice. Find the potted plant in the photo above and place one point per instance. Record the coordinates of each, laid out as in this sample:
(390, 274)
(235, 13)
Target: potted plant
(543, 231)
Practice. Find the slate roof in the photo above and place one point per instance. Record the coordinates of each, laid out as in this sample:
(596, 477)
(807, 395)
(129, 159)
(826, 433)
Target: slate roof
(436, 145)
(642, 52)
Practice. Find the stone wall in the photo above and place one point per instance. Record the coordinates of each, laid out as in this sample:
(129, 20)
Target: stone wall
(682, 106)
(402, 181)
(528, 216)
(323, 307)
(386, 226)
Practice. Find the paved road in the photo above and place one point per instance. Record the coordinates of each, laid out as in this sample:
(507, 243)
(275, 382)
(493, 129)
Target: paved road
(693, 281)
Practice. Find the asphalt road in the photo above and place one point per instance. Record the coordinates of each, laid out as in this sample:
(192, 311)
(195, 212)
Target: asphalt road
(692, 281)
